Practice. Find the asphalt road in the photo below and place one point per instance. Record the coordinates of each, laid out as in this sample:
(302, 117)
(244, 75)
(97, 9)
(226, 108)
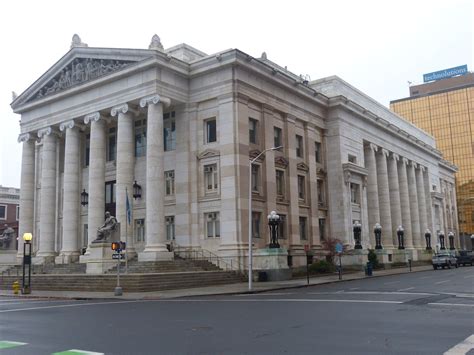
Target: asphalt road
(420, 313)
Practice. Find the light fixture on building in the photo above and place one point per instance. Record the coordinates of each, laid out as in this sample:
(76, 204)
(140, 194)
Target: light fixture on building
(428, 239)
(451, 240)
(357, 229)
(84, 198)
(273, 222)
(378, 236)
(400, 235)
(137, 190)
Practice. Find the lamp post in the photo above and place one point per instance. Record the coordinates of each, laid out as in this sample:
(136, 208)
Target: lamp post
(428, 239)
(250, 211)
(273, 221)
(441, 240)
(400, 234)
(26, 281)
(451, 240)
(357, 229)
(378, 236)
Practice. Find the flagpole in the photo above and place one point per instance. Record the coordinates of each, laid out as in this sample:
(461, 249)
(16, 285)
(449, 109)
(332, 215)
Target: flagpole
(126, 230)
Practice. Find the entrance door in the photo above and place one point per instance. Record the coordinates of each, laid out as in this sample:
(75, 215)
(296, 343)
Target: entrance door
(110, 190)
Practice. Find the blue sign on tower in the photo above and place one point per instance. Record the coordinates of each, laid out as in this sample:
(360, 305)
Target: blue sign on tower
(446, 73)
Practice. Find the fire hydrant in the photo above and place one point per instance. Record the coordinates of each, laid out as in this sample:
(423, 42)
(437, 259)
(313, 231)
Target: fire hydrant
(16, 287)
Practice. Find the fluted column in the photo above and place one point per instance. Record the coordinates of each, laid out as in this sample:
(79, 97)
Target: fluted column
(70, 246)
(313, 188)
(395, 206)
(372, 189)
(125, 172)
(27, 189)
(405, 202)
(95, 213)
(420, 188)
(415, 216)
(46, 250)
(155, 247)
(384, 199)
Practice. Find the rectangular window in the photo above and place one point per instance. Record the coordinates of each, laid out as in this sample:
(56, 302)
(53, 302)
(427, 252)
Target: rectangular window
(301, 187)
(321, 197)
(352, 159)
(87, 150)
(170, 233)
(169, 183)
(112, 144)
(322, 228)
(303, 233)
(140, 230)
(211, 130)
(355, 193)
(213, 229)
(253, 131)
(3, 212)
(299, 146)
(211, 178)
(169, 131)
(17, 213)
(277, 137)
(140, 138)
(280, 183)
(317, 152)
(256, 218)
(255, 177)
(282, 227)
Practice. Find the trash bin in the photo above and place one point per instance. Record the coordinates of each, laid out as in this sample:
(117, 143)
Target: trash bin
(262, 276)
(368, 269)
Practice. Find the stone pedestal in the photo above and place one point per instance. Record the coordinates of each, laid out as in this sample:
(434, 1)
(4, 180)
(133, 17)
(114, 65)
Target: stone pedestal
(356, 257)
(402, 256)
(155, 256)
(274, 262)
(424, 255)
(383, 255)
(100, 259)
(8, 257)
(67, 258)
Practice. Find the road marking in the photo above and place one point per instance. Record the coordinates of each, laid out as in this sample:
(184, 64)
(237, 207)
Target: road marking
(392, 282)
(462, 348)
(354, 288)
(452, 304)
(77, 352)
(5, 344)
(69, 305)
(441, 282)
(468, 277)
(425, 277)
(265, 294)
(375, 293)
(461, 295)
(405, 289)
(279, 300)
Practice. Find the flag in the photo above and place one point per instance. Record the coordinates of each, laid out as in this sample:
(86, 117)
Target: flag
(128, 210)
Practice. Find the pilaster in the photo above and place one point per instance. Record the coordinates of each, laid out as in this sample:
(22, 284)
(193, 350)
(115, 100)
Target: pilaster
(405, 202)
(395, 203)
(415, 217)
(384, 199)
(372, 189)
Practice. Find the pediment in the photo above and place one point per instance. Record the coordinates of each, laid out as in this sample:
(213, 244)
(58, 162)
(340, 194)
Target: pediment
(255, 153)
(302, 166)
(208, 153)
(281, 162)
(79, 66)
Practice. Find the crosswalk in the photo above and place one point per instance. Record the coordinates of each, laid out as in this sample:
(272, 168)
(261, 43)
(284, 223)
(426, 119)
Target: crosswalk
(15, 346)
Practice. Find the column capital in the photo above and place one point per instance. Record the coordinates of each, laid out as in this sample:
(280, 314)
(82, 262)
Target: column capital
(119, 109)
(422, 168)
(24, 137)
(413, 164)
(46, 132)
(385, 152)
(92, 117)
(153, 100)
(395, 157)
(373, 147)
(405, 161)
(68, 124)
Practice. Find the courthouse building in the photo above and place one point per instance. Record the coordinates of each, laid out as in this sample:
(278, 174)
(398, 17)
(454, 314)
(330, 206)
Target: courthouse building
(177, 127)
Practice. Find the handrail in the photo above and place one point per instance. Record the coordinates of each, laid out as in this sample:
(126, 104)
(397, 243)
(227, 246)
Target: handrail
(200, 254)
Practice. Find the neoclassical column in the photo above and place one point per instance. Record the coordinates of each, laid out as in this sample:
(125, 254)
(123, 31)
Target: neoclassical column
(420, 189)
(372, 190)
(27, 189)
(46, 252)
(70, 246)
(384, 199)
(155, 247)
(405, 202)
(395, 204)
(95, 211)
(125, 172)
(313, 187)
(415, 216)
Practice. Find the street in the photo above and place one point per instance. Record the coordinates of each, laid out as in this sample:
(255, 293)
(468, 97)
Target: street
(419, 313)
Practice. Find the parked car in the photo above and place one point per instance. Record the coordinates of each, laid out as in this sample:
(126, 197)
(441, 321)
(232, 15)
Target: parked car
(444, 259)
(465, 257)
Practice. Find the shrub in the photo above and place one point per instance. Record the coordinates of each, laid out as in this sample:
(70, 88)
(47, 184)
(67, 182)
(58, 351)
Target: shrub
(373, 258)
(321, 267)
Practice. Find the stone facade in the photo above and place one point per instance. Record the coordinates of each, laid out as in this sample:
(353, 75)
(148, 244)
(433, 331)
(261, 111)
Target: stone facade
(182, 125)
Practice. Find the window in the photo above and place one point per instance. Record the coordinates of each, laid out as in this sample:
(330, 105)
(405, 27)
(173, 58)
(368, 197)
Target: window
(213, 229)
(170, 235)
(169, 183)
(87, 150)
(253, 131)
(210, 127)
(255, 177)
(112, 144)
(277, 139)
(211, 178)
(322, 228)
(355, 193)
(280, 183)
(301, 187)
(299, 146)
(85, 233)
(17, 213)
(317, 152)
(282, 227)
(303, 233)
(140, 138)
(256, 218)
(3, 212)
(321, 194)
(352, 159)
(169, 131)
(140, 230)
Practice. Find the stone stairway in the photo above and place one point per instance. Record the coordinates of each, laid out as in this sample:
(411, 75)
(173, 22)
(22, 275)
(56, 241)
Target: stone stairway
(176, 265)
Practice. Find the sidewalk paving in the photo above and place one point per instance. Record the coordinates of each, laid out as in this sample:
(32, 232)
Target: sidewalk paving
(238, 288)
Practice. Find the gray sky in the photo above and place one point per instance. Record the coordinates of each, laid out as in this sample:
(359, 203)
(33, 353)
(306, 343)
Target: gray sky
(377, 46)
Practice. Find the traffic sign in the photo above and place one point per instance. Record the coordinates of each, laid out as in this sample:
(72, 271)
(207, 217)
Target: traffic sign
(118, 256)
(339, 248)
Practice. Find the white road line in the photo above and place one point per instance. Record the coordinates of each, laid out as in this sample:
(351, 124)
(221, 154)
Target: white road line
(82, 352)
(469, 277)
(265, 294)
(392, 282)
(374, 293)
(441, 282)
(68, 305)
(406, 289)
(30, 302)
(279, 300)
(451, 304)
(425, 277)
(462, 348)
(354, 288)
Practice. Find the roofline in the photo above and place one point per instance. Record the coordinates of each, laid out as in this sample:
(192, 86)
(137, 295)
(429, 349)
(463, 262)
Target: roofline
(432, 93)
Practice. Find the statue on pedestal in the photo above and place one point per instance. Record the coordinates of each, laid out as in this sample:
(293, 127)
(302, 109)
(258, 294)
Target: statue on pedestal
(7, 237)
(106, 229)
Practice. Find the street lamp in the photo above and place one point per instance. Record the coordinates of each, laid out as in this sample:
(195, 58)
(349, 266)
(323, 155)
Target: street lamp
(451, 240)
(378, 236)
(441, 240)
(137, 190)
(357, 229)
(250, 210)
(428, 239)
(400, 233)
(84, 198)
(26, 281)
(273, 221)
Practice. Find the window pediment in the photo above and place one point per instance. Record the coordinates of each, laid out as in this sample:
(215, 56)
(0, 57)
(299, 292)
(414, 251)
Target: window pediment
(302, 166)
(208, 153)
(254, 153)
(281, 162)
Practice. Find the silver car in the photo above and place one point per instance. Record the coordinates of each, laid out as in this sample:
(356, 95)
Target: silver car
(444, 259)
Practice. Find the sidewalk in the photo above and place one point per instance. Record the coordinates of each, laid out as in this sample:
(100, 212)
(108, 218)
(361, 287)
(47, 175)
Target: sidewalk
(239, 288)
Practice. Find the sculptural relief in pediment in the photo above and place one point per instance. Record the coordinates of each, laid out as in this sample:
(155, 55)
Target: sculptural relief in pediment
(80, 70)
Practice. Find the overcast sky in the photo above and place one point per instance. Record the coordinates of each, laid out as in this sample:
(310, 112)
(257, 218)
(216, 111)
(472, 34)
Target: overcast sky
(377, 46)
